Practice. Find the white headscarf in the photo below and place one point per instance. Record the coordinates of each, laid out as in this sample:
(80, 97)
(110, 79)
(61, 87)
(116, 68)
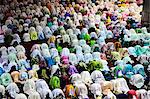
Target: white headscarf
(75, 78)
(45, 50)
(26, 37)
(142, 94)
(88, 57)
(43, 89)
(20, 48)
(97, 76)
(137, 80)
(57, 92)
(86, 48)
(29, 85)
(54, 52)
(34, 95)
(96, 56)
(65, 52)
(2, 90)
(21, 96)
(12, 89)
(86, 77)
(95, 89)
(120, 86)
(82, 91)
(73, 58)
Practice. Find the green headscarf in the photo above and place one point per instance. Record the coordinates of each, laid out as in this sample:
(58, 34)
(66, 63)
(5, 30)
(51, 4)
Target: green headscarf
(6, 79)
(138, 30)
(59, 48)
(95, 65)
(87, 37)
(54, 82)
(92, 42)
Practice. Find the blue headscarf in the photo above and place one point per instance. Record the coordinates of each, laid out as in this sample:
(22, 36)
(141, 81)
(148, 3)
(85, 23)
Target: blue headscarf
(128, 70)
(1, 69)
(23, 76)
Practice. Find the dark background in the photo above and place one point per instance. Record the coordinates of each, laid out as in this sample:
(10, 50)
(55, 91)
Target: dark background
(146, 14)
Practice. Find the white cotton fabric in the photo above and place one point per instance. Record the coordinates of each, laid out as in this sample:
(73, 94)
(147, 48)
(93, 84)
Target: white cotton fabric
(86, 77)
(73, 58)
(110, 96)
(137, 80)
(43, 89)
(66, 38)
(54, 68)
(97, 76)
(75, 77)
(82, 91)
(105, 66)
(96, 56)
(34, 95)
(57, 92)
(47, 32)
(12, 89)
(95, 89)
(88, 57)
(35, 53)
(2, 39)
(82, 42)
(142, 94)
(21, 96)
(2, 90)
(120, 86)
(54, 52)
(26, 37)
(86, 48)
(29, 85)
(65, 52)
(20, 48)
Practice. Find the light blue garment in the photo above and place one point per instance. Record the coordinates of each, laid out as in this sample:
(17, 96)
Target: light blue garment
(109, 34)
(80, 56)
(36, 53)
(82, 42)
(54, 52)
(119, 63)
(101, 40)
(88, 57)
(23, 64)
(12, 89)
(103, 34)
(132, 51)
(94, 35)
(139, 69)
